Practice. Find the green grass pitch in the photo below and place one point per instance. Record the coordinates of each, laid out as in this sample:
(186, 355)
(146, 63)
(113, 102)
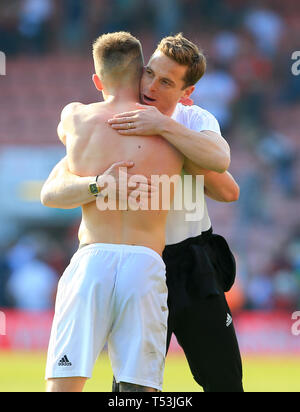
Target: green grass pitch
(24, 372)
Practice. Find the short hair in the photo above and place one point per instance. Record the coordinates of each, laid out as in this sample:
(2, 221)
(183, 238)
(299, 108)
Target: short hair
(186, 53)
(118, 55)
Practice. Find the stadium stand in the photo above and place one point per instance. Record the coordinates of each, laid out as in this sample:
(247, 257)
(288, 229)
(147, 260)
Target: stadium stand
(256, 99)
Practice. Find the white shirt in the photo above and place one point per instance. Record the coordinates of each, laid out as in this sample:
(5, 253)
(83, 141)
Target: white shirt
(182, 224)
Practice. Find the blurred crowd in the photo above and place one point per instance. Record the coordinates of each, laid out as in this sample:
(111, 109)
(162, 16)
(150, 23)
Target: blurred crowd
(250, 88)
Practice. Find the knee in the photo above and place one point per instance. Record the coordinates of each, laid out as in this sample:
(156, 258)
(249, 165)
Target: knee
(218, 385)
(75, 384)
(132, 387)
(115, 386)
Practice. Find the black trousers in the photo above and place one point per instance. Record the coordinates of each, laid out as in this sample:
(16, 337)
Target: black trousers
(199, 270)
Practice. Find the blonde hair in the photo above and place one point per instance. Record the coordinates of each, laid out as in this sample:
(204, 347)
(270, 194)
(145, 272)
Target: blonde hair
(118, 55)
(186, 53)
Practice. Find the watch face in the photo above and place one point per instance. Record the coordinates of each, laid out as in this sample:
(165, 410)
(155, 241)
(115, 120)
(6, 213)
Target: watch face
(94, 188)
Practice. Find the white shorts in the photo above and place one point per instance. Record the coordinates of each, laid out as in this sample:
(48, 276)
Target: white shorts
(115, 294)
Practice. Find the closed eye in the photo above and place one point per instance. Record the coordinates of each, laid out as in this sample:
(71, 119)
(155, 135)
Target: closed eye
(148, 71)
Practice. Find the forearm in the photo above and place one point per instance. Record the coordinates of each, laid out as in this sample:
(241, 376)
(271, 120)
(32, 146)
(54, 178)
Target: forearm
(206, 149)
(64, 190)
(218, 186)
(221, 187)
(67, 194)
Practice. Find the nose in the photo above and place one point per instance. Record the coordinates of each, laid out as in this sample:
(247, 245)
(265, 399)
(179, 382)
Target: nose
(153, 86)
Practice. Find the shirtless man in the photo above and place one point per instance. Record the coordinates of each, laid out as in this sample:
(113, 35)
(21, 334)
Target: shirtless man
(114, 288)
(196, 133)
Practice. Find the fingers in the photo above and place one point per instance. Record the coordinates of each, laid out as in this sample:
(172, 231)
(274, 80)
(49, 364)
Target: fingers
(142, 188)
(137, 184)
(124, 123)
(130, 183)
(142, 106)
(143, 191)
(123, 163)
(130, 132)
(124, 115)
(145, 184)
(133, 179)
(123, 126)
(120, 120)
(136, 179)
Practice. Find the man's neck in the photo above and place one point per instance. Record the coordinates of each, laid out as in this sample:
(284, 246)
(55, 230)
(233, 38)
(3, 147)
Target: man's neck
(122, 95)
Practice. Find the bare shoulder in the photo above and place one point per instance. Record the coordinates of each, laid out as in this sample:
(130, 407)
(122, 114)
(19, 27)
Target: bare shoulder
(85, 112)
(99, 109)
(73, 115)
(78, 118)
(70, 109)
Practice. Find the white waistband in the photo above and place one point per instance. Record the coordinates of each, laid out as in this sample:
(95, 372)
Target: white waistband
(116, 247)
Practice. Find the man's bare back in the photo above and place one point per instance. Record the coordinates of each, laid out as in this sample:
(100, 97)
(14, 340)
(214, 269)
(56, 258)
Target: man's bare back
(92, 146)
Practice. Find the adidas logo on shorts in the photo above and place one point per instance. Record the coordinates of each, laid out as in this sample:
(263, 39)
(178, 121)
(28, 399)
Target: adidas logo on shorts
(228, 320)
(64, 362)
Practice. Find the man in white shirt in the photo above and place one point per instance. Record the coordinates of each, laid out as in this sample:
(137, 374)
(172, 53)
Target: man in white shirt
(196, 276)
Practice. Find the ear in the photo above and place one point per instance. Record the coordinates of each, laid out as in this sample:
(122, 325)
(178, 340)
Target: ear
(188, 91)
(97, 82)
(185, 98)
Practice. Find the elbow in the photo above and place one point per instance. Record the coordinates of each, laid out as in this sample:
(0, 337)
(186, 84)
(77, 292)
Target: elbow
(45, 198)
(223, 164)
(224, 159)
(51, 200)
(232, 195)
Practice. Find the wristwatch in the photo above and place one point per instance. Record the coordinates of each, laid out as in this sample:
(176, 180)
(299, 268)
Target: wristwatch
(94, 189)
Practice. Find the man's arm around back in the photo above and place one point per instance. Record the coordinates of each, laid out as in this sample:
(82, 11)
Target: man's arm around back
(64, 190)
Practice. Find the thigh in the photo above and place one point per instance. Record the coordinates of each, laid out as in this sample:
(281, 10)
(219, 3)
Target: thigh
(74, 384)
(137, 342)
(82, 318)
(131, 387)
(207, 335)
